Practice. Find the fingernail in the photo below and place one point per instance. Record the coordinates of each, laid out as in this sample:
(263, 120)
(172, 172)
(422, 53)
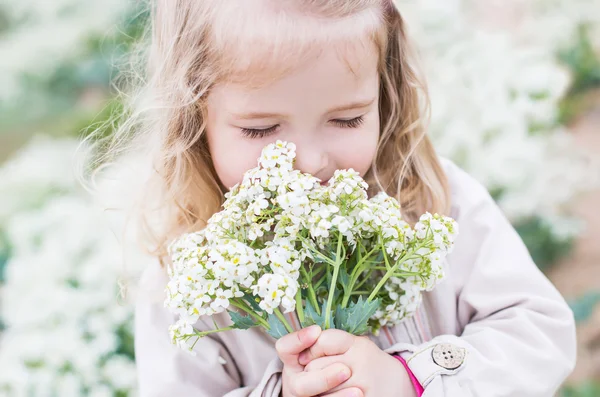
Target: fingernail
(302, 358)
(344, 374)
(313, 331)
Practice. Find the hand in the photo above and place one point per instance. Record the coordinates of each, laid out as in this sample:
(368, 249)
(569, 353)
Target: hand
(374, 372)
(299, 383)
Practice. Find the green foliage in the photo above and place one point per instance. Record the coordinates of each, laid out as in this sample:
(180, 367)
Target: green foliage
(6, 23)
(544, 247)
(583, 307)
(584, 63)
(252, 301)
(126, 342)
(277, 329)
(344, 277)
(311, 316)
(586, 389)
(58, 96)
(354, 318)
(242, 322)
(4, 254)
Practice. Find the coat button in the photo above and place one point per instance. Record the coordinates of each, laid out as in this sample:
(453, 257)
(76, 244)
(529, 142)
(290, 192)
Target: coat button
(448, 356)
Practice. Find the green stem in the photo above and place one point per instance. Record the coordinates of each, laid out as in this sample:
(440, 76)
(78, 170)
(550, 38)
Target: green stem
(354, 276)
(385, 258)
(333, 282)
(320, 281)
(311, 292)
(391, 271)
(398, 274)
(365, 279)
(242, 306)
(357, 269)
(201, 334)
(281, 318)
(309, 246)
(299, 308)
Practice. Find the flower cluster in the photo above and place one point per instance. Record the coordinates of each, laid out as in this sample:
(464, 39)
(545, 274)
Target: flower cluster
(284, 240)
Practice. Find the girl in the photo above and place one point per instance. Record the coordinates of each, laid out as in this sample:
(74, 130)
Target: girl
(337, 78)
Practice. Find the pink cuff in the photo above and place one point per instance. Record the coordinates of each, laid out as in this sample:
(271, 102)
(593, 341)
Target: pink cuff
(418, 388)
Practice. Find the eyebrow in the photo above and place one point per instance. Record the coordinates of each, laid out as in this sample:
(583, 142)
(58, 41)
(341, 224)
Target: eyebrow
(264, 115)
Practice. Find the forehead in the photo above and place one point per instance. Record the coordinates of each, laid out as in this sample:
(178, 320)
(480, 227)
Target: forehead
(257, 45)
(320, 84)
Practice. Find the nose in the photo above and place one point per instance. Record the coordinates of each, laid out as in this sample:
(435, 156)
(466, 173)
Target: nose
(313, 160)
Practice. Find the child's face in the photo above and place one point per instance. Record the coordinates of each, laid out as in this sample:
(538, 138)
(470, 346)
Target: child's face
(328, 110)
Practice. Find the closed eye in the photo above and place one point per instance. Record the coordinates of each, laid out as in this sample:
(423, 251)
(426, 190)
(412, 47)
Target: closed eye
(259, 133)
(349, 123)
(263, 132)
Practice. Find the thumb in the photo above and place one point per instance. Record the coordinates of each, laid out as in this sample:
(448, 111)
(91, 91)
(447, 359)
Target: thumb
(291, 345)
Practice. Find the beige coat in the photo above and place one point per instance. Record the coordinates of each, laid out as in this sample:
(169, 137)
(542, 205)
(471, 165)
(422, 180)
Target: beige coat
(517, 332)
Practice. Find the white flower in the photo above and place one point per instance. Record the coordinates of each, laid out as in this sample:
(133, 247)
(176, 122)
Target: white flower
(180, 333)
(443, 230)
(280, 155)
(275, 290)
(342, 223)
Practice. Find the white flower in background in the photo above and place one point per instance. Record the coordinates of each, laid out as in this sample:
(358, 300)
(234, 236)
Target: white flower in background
(65, 328)
(48, 34)
(495, 97)
(554, 23)
(39, 171)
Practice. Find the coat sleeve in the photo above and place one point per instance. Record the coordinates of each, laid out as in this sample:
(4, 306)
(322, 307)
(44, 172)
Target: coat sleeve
(516, 333)
(165, 370)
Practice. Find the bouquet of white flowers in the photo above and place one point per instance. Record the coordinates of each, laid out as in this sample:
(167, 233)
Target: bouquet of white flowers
(285, 241)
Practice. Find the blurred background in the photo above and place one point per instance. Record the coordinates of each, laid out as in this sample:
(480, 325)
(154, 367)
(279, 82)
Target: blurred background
(515, 88)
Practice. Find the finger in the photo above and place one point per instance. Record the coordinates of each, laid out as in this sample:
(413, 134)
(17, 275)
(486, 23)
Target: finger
(291, 345)
(348, 392)
(317, 382)
(330, 343)
(322, 362)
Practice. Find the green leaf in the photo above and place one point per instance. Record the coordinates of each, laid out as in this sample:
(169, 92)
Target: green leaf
(344, 278)
(241, 322)
(340, 317)
(311, 317)
(354, 318)
(277, 329)
(250, 299)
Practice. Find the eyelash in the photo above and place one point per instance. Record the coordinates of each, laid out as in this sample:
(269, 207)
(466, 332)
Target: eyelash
(260, 133)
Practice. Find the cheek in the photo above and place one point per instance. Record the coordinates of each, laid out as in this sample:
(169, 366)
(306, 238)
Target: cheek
(359, 151)
(227, 166)
(231, 155)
